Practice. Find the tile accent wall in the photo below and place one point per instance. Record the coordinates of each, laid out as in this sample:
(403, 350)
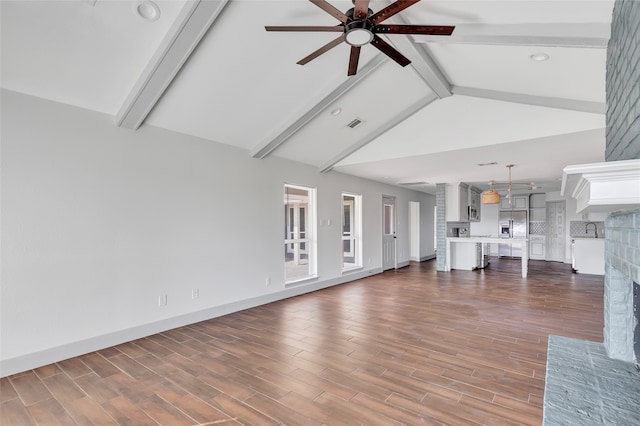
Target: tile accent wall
(537, 228)
(578, 229)
(451, 225)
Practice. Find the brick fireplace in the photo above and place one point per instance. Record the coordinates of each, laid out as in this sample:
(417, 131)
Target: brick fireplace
(614, 186)
(622, 269)
(589, 383)
(622, 244)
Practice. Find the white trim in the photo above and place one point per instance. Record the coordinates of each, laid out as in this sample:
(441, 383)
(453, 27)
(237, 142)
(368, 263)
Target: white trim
(592, 35)
(421, 60)
(37, 359)
(192, 24)
(399, 118)
(268, 146)
(521, 98)
(603, 187)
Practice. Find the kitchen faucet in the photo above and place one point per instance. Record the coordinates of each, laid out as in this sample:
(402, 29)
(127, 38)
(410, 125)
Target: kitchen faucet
(595, 228)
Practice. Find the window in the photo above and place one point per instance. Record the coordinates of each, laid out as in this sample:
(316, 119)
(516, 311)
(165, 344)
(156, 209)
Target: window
(351, 231)
(299, 233)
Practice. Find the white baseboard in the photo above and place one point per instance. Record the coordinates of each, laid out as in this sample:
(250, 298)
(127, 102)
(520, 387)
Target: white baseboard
(48, 356)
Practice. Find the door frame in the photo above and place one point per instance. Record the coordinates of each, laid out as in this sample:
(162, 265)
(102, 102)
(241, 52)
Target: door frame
(414, 231)
(389, 200)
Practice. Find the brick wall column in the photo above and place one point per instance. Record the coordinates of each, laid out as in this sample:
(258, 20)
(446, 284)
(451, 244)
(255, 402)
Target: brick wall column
(441, 226)
(622, 243)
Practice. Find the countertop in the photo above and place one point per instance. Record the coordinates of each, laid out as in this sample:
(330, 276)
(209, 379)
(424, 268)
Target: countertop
(487, 240)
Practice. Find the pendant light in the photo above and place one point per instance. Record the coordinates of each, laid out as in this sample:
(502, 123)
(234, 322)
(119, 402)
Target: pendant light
(492, 196)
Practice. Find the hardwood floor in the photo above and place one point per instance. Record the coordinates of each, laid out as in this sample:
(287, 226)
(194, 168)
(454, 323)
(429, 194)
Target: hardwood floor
(407, 347)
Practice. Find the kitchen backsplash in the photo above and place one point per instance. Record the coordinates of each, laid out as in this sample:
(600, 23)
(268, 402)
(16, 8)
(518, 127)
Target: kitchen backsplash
(579, 229)
(537, 228)
(461, 227)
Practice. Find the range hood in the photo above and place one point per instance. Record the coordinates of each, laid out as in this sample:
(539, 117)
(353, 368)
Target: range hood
(603, 187)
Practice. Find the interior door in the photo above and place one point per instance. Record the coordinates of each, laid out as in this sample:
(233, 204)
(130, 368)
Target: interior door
(556, 231)
(388, 233)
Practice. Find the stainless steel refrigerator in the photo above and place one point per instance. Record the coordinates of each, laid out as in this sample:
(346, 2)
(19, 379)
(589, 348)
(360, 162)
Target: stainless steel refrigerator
(513, 224)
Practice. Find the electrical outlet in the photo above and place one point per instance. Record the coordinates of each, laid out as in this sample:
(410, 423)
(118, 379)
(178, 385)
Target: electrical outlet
(195, 294)
(267, 281)
(162, 300)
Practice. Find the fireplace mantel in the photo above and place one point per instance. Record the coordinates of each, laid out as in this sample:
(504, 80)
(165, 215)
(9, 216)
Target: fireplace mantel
(603, 187)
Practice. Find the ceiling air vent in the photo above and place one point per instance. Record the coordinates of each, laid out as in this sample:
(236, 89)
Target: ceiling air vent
(355, 123)
(417, 183)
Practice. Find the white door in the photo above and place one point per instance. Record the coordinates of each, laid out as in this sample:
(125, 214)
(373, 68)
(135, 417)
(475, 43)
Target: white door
(556, 231)
(388, 233)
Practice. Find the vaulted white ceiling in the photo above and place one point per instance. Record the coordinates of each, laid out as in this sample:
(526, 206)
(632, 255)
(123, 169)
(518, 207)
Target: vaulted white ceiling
(209, 69)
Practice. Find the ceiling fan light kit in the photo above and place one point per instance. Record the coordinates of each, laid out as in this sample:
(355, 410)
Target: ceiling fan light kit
(360, 25)
(358, 33)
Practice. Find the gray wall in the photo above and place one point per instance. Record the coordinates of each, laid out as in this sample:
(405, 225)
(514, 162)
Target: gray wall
(98, 221)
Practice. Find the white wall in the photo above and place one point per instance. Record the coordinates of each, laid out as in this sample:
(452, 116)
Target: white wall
(98, 221)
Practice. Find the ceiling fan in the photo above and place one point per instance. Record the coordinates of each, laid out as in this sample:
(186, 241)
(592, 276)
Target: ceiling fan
(360, 26)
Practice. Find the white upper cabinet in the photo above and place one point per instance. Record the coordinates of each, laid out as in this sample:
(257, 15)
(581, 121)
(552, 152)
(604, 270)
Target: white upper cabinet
(475, 199)
(457, 202)
(518, 202)
(537, 208)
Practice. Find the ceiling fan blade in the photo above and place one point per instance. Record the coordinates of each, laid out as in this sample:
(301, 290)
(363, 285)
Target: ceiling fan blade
(320, 51)
(353, 60)
(336, 28)
(413, 29)
(331, 10)
(391, 10)
(361, 7)
(388, 50)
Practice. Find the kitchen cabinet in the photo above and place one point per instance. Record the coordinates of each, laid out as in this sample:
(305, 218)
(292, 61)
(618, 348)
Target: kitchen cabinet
(537, 245)
(537, 208)
(475, 197)
(588, 255)
(457, 202)
(466, 256)
(518, 202)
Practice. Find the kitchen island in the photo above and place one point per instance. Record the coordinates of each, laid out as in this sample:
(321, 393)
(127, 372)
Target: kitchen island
(522, 242)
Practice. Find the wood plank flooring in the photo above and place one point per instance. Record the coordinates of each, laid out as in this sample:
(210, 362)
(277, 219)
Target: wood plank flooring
(407, 347)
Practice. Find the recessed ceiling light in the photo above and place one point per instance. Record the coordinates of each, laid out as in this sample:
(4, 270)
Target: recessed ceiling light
(146, 10)
(336, 111)
(539, 57)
